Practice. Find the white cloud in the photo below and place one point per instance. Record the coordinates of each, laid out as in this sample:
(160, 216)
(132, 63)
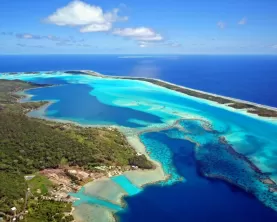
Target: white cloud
(114, 17)
(97, 27)
(141, 34)
(243, 21)
(77, 13)
(91, 18)
(221, 24)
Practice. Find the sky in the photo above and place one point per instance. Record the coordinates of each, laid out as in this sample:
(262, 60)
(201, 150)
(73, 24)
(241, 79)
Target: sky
(138, 27)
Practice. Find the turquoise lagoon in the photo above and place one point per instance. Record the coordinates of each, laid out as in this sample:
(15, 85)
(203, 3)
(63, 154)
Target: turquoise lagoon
(170, 125)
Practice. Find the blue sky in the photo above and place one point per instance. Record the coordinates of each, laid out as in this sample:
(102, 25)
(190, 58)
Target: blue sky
(138, 27)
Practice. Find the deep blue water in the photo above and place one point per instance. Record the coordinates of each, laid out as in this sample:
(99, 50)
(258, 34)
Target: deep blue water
(198, 199)
(252, 78)
(75, 102)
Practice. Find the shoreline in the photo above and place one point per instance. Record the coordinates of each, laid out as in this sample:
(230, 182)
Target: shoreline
(226, 104)
(146, 79)
(156, 174)
(97, 74)
(241, 106)
(135, 137)
(252, 109)
(213, 94)
(137, 145)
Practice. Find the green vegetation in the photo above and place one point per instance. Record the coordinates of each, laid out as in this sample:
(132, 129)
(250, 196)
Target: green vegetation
(28, 145)
(45, 210)
(48, 211)
(7, 88)
(12, 187)
(8, 98)
(39, 183)
(141, 161)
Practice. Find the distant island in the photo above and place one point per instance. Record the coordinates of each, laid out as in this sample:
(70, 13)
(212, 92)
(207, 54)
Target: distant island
(253, 108)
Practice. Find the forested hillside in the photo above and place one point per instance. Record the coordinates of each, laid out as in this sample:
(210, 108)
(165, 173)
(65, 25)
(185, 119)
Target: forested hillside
(28, 145)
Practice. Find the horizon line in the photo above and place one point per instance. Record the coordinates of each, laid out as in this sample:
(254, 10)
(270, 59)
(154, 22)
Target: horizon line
(148, 54)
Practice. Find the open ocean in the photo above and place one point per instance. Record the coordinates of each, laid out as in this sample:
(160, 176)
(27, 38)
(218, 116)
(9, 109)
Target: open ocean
(252, 78)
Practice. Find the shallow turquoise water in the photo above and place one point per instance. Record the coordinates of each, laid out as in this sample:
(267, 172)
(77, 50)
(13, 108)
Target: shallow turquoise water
(141, 106)
(85, 198)
(124, 183)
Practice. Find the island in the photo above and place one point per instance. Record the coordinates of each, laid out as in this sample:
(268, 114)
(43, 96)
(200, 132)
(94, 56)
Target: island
(80, 146)
(250, 107)
(42, 161)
